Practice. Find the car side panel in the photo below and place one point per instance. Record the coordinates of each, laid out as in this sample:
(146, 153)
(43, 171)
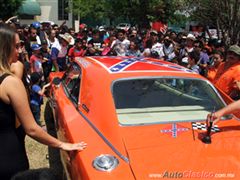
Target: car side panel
(73, 128)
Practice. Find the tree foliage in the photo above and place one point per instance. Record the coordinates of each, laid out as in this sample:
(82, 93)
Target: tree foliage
(85, 8)
(136, 11)
(9, 8)
(221, 14)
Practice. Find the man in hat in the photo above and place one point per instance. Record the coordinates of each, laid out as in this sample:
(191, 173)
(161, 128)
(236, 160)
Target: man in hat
(59, 51)
(228, 74)
(187, 47)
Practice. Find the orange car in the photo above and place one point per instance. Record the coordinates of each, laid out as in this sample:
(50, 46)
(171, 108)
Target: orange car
(142, 118)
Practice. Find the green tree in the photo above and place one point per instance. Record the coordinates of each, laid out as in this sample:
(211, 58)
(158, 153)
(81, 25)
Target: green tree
(224, 15)
(142, 12)
(139, 12)
(9, 8)
(85, 8)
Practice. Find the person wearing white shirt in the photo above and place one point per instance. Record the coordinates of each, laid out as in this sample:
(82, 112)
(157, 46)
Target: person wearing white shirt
(121, 44)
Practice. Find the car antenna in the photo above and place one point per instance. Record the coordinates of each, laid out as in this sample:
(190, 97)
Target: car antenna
(207, 138)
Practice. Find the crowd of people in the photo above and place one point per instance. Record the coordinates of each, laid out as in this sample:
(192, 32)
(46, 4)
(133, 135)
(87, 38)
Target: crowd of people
(32, 51)
(47, 47)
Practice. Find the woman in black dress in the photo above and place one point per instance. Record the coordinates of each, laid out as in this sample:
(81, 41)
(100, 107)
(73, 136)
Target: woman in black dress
(14, 101)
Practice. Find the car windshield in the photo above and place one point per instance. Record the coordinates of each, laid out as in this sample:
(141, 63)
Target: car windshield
(161, 100)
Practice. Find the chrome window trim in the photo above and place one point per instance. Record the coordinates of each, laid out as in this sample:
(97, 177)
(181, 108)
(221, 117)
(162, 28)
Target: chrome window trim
(158, 77)
(103, 137)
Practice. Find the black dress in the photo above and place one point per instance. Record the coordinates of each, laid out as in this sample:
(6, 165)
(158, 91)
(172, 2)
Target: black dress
(13, 156)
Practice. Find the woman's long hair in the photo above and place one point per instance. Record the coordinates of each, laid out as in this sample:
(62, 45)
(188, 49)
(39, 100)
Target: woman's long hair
(7, 47)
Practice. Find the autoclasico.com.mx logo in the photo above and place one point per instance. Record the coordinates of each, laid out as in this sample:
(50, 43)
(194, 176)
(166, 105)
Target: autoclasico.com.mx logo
(191, 174)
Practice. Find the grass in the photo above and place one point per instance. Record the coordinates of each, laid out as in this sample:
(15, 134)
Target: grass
(37, 152)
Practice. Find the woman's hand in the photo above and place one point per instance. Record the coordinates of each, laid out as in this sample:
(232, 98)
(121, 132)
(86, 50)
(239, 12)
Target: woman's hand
(71, 147)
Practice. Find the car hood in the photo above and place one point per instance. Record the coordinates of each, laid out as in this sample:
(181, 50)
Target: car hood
(155, 151)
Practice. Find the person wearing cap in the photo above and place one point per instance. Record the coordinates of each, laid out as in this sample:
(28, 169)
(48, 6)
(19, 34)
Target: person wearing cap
(157, 47)
(82, 26)
(36, 25)
(188, 47)
(153, 33)
(36, 59)
(228, 74)
(184, 62)
(59, 51)
(95, 45)
(42, 29)
(103, 33)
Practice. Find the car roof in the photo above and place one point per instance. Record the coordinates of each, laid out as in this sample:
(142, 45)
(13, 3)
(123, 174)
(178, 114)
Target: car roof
(132, 65)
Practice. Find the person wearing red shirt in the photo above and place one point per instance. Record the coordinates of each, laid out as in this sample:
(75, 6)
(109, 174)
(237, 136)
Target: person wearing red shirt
(77, 50)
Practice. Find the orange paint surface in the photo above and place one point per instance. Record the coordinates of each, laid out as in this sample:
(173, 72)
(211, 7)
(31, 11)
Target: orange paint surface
(167, 150)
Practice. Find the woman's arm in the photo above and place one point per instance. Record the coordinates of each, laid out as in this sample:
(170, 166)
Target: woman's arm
(16, 95)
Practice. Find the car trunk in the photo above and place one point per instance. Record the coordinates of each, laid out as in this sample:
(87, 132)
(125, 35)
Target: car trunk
(176, 150)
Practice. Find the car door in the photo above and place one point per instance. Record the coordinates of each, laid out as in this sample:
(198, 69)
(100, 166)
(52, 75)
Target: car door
(66, 103)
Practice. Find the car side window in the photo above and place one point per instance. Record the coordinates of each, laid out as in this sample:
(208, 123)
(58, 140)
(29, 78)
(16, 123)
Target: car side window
(71, 82)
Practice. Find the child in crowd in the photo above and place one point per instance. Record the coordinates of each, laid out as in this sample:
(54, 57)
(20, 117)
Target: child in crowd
(36, 96)
(36, 59)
